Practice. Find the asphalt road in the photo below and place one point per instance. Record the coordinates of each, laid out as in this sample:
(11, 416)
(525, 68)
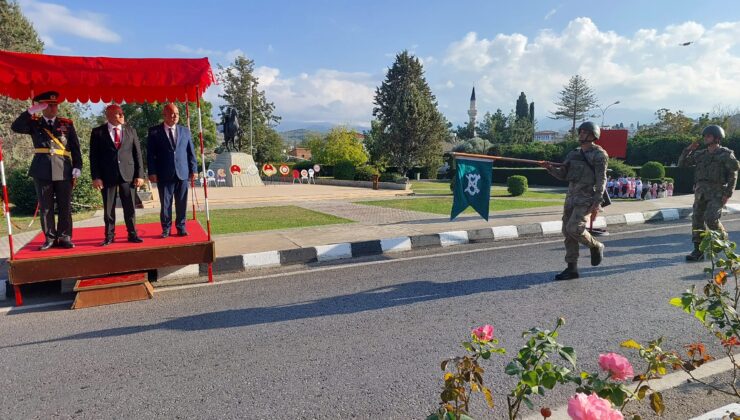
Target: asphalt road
(350, 341)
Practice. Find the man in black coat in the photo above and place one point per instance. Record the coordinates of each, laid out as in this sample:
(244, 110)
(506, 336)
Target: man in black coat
(56, 165)
(116, 169)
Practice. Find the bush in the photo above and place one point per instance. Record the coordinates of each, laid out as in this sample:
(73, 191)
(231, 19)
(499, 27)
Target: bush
(517, 185)
(344, 170)
(618, 168)
(389, 177)
(84, 196)
(21, 192)
(652, 171)
(366, 173)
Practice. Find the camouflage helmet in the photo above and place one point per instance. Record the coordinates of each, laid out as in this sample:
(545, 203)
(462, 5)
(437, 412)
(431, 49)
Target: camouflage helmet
(593, 128)
(714, 130)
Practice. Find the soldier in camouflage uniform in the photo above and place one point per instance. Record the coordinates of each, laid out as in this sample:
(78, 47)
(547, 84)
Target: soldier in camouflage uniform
(56, 164)
(715, 177)
(585, 171)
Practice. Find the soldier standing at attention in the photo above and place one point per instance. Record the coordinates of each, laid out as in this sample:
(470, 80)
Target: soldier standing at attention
(715, 177)
(585, 171)
(56, 164)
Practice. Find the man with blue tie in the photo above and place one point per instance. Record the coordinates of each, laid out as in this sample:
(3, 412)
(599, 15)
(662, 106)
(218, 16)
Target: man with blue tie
(172, 165)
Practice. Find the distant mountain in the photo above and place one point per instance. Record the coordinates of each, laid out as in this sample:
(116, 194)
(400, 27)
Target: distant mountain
(297, 136)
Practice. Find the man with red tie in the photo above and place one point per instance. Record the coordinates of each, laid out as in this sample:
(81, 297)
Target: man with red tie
(116, 169)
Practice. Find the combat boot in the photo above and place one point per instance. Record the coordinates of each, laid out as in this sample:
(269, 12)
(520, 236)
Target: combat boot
(597, 254)
(696, 254)
(569, 273)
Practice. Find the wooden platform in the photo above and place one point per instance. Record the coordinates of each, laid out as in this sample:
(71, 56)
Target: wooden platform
(112, 289)
(89, 259)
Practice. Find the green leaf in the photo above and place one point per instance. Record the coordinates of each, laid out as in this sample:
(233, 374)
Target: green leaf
(618, 396)
(489, 397)
(529, 378)
(568, 354)
(513, 369)
(700, 315)
(467, 346)
(656, 403)
(549, 380)
(632, 344)
(676, 301)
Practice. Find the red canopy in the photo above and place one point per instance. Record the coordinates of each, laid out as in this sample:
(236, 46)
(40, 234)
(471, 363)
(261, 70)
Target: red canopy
(93, 79)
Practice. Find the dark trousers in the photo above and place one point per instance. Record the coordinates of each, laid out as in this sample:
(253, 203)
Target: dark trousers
(176, 190)
(50, 194)
(125, 191)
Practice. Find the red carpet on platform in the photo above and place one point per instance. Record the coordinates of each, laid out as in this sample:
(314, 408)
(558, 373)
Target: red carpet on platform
(87, 241)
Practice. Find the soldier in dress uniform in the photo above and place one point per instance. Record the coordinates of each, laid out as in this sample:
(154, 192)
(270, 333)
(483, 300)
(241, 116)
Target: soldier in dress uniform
(715, 177)
(56, 164)
(585, 171)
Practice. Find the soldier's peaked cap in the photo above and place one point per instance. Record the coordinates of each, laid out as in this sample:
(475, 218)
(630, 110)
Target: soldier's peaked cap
(49, 97)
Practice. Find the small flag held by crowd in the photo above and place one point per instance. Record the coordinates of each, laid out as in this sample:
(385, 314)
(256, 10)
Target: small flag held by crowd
(472, 185)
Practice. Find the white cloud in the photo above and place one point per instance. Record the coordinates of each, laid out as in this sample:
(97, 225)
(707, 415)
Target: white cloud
(49, 43)
(193, 51)
(645, 70)
(50, 18)
(552, 12)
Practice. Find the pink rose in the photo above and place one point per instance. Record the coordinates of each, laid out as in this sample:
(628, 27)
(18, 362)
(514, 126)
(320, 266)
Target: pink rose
(618, 365)
(484, 334)
(591, 407)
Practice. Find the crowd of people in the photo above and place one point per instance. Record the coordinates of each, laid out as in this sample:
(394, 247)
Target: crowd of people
(633, 187)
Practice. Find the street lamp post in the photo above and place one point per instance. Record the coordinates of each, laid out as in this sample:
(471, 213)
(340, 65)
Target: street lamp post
(603, 111)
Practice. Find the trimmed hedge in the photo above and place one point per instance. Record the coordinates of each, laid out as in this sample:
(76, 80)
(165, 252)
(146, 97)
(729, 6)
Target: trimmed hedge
(365, 173)
(517, 185)
(344, 170)
(652, 171)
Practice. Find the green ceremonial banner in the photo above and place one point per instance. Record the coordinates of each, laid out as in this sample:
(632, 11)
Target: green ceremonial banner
(472, 186)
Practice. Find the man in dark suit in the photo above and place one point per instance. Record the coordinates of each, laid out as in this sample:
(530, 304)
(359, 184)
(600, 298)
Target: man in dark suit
(172, 165)
(56, 165)
(116, 169)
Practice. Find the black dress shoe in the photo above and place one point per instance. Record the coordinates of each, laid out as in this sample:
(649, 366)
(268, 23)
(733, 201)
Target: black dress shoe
(166, 234)
(66, 244)
(182, 232)
(107, 242)
(47, 244)
(135, 239)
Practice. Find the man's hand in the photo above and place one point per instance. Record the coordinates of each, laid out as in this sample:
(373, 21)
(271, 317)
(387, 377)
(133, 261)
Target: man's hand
(138, 182)
(192, 177)
(693, 146)
(153, 178)
(37, 108)
(98, 184)
(76, 173)
(545, 164)
(724, 199)
(594, 210)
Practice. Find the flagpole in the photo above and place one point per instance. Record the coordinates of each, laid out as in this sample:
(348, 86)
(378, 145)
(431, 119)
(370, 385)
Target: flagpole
(508, 159)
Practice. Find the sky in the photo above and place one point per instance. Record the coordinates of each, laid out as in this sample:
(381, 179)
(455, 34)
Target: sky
(320, 61)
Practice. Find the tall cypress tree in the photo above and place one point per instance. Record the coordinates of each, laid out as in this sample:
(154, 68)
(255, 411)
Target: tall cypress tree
(531, 112)
(410, 127)
(522, 107)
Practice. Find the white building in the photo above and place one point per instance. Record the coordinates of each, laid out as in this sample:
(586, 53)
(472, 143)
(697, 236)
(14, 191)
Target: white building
(547, 136)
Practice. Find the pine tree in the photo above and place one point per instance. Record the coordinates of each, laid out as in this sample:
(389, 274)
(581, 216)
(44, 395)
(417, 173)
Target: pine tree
(411, 129)
(16, 34)
(522, 107)
(236, 79)
(576, 99)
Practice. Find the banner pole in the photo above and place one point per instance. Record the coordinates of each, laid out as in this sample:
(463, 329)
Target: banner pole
(192, 181)
(205, 184)
(508, 159)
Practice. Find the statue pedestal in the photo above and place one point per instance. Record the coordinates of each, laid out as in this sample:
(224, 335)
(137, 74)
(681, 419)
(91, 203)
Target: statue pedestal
(248, 175)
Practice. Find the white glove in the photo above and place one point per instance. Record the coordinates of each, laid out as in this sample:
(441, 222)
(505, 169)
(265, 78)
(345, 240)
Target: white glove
(76, 173)
(37, 108)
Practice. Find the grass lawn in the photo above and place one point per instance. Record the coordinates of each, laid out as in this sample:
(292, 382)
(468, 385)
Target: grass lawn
(443, 205)
(443, 188)
(20, 223)
(259, 218)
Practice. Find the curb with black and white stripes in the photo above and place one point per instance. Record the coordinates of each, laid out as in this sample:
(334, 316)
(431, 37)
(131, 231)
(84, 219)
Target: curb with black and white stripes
(347, 250)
